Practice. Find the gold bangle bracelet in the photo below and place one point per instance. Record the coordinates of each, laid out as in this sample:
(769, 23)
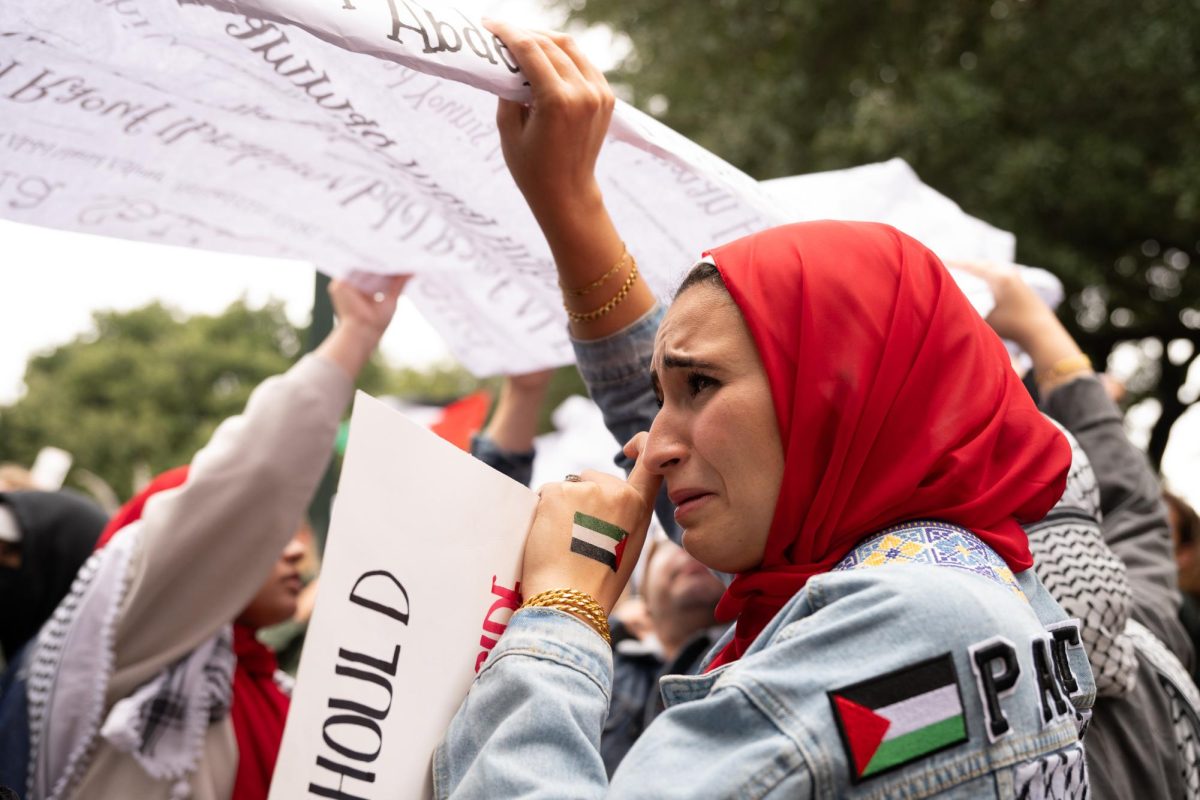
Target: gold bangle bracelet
(1065, 367)
(579, 604)
(622, 293)
(596, 284)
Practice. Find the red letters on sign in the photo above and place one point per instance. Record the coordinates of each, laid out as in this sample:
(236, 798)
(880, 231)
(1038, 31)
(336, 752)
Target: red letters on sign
(506, 600)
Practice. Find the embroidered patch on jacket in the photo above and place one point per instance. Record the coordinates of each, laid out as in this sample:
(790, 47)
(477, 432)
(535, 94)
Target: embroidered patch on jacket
(598, 540)
(938, 544)
(897, 718)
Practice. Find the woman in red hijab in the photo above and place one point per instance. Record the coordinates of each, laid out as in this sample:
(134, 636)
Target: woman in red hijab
(843, 434)
(148, 681)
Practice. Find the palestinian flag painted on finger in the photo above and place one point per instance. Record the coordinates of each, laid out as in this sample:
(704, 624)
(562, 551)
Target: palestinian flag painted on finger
(900, 717)
(598, 540)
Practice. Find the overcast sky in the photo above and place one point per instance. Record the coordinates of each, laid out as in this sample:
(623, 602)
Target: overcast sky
(53, 281)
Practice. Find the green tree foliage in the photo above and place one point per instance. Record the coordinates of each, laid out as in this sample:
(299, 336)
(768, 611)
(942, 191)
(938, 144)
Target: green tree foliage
(145, 389)
(1072, 124)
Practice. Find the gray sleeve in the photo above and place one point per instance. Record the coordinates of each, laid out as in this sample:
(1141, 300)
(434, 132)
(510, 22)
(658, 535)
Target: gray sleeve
(1134, 520)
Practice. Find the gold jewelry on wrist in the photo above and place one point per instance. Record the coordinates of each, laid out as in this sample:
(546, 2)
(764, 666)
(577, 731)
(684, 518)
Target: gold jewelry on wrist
(599, 281)
(622, 293)
(1065, 367)
(577, 603)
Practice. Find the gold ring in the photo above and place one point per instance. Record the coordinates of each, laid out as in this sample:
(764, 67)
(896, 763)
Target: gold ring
(573, 478)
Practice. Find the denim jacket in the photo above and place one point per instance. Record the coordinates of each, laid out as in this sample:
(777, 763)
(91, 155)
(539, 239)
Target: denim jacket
(919, 667)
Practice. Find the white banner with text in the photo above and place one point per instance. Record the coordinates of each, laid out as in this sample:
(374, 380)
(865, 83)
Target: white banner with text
(356, 135)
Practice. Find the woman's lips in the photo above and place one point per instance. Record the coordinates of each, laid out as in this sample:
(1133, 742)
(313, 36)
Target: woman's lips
(689, 506)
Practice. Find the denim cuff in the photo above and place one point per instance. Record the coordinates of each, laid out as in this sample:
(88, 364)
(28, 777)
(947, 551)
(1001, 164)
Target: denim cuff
(620, 356)
(552, 635)
(518, 466)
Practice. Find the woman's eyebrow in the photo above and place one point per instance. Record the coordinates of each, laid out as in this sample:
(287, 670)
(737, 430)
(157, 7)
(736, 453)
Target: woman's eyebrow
(683, 362)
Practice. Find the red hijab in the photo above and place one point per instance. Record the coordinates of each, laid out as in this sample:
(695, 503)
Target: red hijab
(895, 402)
(259, 708)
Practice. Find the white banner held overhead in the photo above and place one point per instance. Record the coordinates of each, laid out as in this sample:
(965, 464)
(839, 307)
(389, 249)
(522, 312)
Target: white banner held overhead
(890, 192)
(354, 134)
(191, 125)
(416, 588)
(434, 37)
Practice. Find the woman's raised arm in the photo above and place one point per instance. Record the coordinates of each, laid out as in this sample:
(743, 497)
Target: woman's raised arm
(551, 146)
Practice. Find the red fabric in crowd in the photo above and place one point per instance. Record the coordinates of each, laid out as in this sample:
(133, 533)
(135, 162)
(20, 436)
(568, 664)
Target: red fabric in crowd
(463, 418)
(895, 402)
(259, 709)
(259, 712)
(132, 510)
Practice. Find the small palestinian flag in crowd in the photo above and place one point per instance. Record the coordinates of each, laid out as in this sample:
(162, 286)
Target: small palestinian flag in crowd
(455, 422)
(598, 540)
(897, 718)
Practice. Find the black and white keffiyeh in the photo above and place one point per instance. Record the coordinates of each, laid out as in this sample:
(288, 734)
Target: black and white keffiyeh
(1087, 578)
(161, 725)
(1184, 697)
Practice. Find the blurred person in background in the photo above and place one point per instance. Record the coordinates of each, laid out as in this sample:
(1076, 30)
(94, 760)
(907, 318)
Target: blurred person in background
(679, 596)
(286, 639)
(1105, 552)
(1185, 535)
(45, 537)
(156, 640)
(14, 477)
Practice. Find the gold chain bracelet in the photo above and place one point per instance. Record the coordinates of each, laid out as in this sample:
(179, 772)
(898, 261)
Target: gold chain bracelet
(599, 281)
(579, 604)
(622, 293)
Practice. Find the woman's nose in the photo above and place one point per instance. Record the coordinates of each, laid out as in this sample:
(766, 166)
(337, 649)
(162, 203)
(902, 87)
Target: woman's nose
(664, 448)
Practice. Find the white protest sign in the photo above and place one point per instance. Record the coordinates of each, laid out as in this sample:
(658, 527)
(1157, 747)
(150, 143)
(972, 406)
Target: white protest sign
(418, 582)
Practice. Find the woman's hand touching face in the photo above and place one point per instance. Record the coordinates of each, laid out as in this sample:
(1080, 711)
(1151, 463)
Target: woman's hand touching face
(587, 534)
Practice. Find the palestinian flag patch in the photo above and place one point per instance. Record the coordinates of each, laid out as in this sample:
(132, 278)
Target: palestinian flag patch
(900, 717)
(598, 540)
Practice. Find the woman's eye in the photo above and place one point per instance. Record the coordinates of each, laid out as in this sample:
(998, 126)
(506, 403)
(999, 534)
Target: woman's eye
(698, 382)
